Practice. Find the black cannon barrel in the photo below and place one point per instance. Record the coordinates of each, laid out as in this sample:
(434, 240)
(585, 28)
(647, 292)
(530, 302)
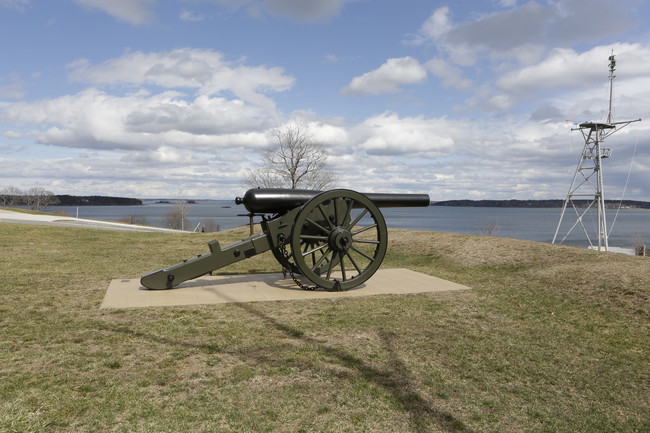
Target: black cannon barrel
(278, 200)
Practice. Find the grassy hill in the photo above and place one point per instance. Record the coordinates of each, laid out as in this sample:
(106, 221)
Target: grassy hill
(550, 339)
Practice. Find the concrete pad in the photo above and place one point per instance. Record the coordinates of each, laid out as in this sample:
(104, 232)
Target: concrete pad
(223, 289)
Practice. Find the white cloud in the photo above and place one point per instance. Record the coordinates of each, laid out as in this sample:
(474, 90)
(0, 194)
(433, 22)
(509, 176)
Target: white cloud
(500, 102)
(164, 155)
(449, 75)
(412, 137)
(204, 70)
(436, 26)
(157, 174)
(388, 77)
(297, 10)
(306, 10)
(527, 51)
(189, 16)
(565, 68)
(93, 119)
(136, 12)
(204, 115)
(331, 58)
(503, 30)
(513, 31)
(331, 135)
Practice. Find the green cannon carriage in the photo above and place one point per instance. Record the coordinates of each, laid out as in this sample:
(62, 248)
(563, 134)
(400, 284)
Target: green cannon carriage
(335, 239)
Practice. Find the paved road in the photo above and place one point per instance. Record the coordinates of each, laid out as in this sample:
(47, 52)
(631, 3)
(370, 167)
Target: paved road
(7, 216)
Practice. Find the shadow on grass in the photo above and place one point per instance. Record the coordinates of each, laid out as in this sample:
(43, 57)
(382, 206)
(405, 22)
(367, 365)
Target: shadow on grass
(394, 379)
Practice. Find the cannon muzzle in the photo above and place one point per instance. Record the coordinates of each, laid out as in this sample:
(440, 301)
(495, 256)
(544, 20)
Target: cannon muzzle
(277, 200)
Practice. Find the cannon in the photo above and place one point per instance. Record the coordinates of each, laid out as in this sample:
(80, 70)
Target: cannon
(335, 239)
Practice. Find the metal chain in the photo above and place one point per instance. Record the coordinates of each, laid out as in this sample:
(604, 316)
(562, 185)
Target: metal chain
(286, 265)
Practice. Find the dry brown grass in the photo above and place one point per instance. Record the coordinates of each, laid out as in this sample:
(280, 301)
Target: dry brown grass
(550, 339)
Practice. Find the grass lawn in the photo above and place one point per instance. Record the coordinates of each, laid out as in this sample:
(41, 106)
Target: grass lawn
(550, 339)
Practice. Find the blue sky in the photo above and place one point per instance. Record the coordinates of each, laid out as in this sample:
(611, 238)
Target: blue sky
(465, 99)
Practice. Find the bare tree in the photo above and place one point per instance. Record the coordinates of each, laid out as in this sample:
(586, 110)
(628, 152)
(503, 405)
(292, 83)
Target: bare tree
(177, 218)
(296, 160)
(39, 197)
(11, 196)
(182, 208)
(489, 228)
(638, 245)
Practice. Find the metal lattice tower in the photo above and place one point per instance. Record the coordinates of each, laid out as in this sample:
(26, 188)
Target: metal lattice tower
(586, 192)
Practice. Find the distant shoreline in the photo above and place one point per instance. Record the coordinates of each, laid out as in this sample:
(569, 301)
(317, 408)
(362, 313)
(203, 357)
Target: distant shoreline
(95, 200)
(556, 203)
(68, 200)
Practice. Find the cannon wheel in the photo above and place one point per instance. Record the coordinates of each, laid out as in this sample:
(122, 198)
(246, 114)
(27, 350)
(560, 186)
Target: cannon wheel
(339, 239)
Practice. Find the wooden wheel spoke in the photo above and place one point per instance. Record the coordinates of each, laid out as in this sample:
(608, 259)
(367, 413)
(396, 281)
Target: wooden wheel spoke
(336, 211)
(330, 267)
(319, 262)
(318, 226)
(357, 219)
(363, 254)
(354, 263)
(322, 212)
(318, 248)
(366, 241)
(347, 212)
(363, 229)
(341, 255)
(313, 238)
(305, 249)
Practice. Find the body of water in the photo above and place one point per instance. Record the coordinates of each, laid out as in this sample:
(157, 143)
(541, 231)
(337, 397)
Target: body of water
(627, 228)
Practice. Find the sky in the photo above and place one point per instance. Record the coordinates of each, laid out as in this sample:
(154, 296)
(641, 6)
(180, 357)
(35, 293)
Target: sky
(470, 99)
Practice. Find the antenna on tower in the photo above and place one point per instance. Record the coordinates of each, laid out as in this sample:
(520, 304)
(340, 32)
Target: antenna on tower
(586, 192)
(612, 69)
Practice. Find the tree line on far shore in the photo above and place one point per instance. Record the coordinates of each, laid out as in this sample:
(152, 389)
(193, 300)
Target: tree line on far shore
(553, 203)
(38, 198)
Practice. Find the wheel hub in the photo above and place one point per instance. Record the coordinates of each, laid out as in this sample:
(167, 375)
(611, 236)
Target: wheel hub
(340, 239)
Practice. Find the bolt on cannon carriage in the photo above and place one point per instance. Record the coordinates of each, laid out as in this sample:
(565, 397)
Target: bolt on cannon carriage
(335, 239)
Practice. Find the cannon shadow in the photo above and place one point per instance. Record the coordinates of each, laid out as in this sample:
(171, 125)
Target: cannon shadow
(394, 378)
